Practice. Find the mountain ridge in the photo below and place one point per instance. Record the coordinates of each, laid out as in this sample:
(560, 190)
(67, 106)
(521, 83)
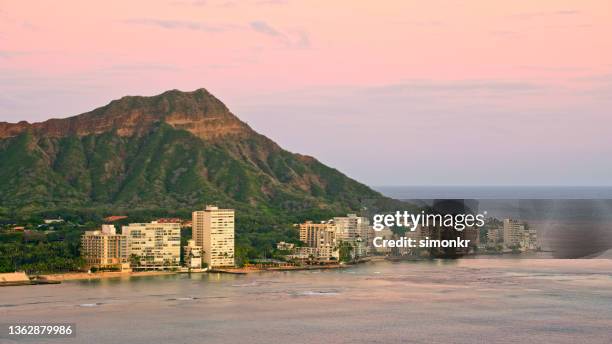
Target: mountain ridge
(184, 110)
(175, 149)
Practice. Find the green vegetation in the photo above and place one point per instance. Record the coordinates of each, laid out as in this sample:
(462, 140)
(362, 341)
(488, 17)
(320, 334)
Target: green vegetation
(55, 248)
(158, 170)
(166, 169)
(41, 250)
(346, 252)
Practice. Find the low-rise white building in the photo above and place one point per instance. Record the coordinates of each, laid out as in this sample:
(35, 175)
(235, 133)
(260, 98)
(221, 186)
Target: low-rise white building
(325, 253)
(285, 246)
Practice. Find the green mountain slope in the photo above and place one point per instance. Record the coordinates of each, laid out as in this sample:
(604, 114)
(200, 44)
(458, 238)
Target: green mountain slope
(177, 150)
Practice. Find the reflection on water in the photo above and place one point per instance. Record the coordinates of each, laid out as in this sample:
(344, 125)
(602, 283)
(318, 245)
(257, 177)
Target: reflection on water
(462, 301)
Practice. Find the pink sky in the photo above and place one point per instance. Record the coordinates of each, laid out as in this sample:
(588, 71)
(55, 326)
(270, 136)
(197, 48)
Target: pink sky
(395, 92)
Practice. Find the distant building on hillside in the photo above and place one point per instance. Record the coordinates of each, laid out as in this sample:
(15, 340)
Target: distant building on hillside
(284, 246)
(213, 230)
(105, 249)
(154, 246)
(114, 218)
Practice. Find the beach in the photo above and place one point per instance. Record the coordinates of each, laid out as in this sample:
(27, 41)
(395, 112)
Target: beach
(69, 276)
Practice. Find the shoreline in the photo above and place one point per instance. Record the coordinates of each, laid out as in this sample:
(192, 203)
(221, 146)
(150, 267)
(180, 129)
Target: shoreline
(74, 276)
(485, 260)
(71, 276)
(248, 270)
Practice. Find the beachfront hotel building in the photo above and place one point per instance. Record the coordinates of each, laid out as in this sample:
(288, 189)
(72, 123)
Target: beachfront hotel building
(153, 245)
(513, 232)
(520, 235)
(529, 239)
(320, 239)
(355, 230)
(192, 255)
(351, 226)
(213, 230)
(105, 249)
(320, 254)
(318, 234)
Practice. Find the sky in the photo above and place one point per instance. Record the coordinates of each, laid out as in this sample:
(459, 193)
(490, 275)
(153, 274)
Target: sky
(389, 92)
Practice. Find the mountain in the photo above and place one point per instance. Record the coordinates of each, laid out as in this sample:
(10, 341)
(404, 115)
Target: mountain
(176, 150)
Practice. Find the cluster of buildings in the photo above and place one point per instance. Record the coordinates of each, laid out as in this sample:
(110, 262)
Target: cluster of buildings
(323, 241)
(512, 235)
(157, 245)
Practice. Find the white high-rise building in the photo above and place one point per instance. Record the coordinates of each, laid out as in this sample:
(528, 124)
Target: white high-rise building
(350, 228)
(213, 230)
(154, 245)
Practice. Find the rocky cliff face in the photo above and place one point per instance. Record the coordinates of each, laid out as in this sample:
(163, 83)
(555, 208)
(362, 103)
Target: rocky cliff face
(198, 112)
(177, 149)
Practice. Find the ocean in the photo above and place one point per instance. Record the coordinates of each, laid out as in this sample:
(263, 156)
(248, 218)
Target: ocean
(462, 301)
(473, 300)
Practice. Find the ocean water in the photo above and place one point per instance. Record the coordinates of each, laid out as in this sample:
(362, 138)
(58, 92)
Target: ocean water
(463, 301)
